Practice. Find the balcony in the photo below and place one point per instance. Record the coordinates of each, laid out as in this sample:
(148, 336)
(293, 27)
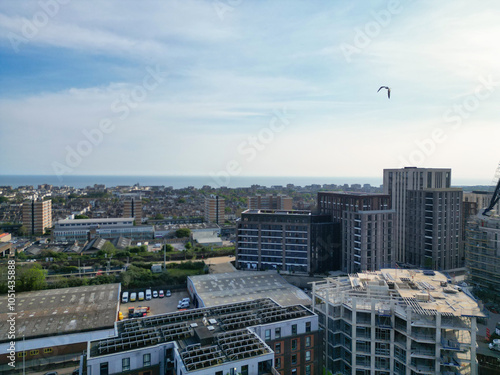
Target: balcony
(423, 353)
(447, 344)
(449, 361)
(420, 337)
(422, 369)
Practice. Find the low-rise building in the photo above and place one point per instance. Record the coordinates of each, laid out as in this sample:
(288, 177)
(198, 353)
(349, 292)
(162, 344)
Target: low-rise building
(256, 337)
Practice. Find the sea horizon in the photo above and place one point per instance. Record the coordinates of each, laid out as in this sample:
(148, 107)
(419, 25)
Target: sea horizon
(197, 181)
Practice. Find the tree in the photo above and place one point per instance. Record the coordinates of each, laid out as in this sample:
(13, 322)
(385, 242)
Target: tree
(32, 278)
(22, 231)
(158, 217)
(81, 217)
(183, 232)
(188, 246)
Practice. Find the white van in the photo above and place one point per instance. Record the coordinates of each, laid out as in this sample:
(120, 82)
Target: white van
(148, 294)
(141, 296)
(125, 297)
(133, 297)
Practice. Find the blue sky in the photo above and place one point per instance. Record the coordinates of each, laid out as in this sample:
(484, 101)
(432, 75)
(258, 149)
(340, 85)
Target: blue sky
(240, 87)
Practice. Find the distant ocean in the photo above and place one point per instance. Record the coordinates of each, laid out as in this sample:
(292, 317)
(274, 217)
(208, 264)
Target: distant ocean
(178, 182)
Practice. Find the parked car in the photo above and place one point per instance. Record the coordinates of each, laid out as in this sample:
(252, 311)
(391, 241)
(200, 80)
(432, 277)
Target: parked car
(155, 294)
(183, 305)
(148, 294)
(161, 294)
(168, 293)
(125, 297)
(133, 297)
(141, 296)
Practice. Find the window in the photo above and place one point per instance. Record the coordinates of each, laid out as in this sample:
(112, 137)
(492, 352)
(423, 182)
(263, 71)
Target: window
(244, 370)
(308, 355)
(277, 348)
(104, 368)
(268, 334)
(277, 333)
(308, 341)
(34, 352)
(219, 373)
(146, 360)
(294, 371)
(294, 359)
(308, 370)
(125, 364)
(294, 344)
(278, 363)
(21, 354)
(308, 326)
(294, 329)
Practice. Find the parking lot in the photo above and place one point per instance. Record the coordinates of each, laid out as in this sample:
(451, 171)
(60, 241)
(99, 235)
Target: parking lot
(157, 305)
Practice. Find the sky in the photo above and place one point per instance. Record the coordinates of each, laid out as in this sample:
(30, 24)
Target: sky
(249, 87)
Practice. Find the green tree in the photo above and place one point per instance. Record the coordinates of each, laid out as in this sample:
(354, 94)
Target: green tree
(159, 217)
(30, 278)
(183, 232)
(188, 246)
(22, 231)
(81, 217)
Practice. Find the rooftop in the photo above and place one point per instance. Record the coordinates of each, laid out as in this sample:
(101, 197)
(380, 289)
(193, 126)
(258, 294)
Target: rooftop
(61, 311)
(223, 288)
(426, 292)
(277, 212)
(95, 221)
(207, 336)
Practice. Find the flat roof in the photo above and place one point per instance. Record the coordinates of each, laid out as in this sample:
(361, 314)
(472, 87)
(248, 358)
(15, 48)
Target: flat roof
(92, 221)
(207, 336)
(61, 311)
(276, 212)
(223, 288)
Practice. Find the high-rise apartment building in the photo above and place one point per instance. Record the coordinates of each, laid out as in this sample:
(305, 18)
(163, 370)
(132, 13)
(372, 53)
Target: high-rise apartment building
(133, 208)
(37, 216)
(397, 184)
(270, 202)
(434, 228)
(215, 208)
(395, 321)
(366, 238)
(482, 251)
(284, 240)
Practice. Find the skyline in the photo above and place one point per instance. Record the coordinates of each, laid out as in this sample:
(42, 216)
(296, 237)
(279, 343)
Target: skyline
(248, 88)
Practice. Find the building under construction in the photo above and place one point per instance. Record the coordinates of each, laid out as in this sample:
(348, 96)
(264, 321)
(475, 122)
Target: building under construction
(482, 251)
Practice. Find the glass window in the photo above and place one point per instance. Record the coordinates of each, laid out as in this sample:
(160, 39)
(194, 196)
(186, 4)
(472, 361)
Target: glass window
(277, 333)
(34, 352)
(125, 364)
(308, 326)
(268, 334)
(294, 359)
(294, 329)
(278, 362)
(277, 348)
(308, 370)
(146, 359)
(104, 368)
(294, 344)
(47, 350)
(308, 355)
(308, 341)
(244, 370)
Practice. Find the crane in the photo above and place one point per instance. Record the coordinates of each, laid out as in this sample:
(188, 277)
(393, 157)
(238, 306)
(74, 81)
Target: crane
(496, 194)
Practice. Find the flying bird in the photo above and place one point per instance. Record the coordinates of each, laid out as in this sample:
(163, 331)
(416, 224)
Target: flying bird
(388, 90)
